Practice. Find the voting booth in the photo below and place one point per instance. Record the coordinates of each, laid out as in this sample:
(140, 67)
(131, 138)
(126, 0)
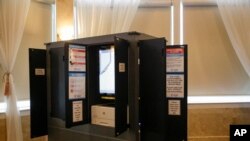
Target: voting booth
(76, 92)
(127, 86)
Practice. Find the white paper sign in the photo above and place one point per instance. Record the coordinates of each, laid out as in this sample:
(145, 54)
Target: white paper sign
(174, 107)
(175, 60)
(122, 67)
(77, 58)
(175, 85)
(77, 111)
(39, 71)
(76, 85)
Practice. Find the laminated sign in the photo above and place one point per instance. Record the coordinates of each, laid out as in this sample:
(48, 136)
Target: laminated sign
(77, 111)
(77, 59)
(76, 85)
(175, 60)
(175, 85)
(174, 107)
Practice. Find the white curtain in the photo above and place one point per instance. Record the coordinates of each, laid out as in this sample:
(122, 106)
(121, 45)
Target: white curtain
(13, 15)
(123, 14)
(236, 18)
(99, 17)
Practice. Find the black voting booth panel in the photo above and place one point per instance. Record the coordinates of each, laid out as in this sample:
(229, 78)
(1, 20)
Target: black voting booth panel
(141, 87)
(163, 91)
(38, 92)
(152, 90)
(176, 121)
(121, 85)
(163, 95)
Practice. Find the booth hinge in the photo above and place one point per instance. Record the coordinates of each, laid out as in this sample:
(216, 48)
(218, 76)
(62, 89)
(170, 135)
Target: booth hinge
(138, 61)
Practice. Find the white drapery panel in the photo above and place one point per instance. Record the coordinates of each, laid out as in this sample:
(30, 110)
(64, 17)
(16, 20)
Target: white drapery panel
(214, 68)
(93, 17)
(13, 15)
(123, 14)
(235, 16)
(99, 17)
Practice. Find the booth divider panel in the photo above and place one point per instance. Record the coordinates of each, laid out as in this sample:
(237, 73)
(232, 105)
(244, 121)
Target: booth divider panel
(38, 92)
(57, 66)
(121, 85)
(152, 105)
(176, 124)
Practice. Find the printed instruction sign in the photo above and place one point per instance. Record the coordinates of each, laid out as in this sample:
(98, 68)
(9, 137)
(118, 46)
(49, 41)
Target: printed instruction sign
(175, 60)
(174, 107)
(77, 58)
(77, 111)
(175, 85)
(77, 85)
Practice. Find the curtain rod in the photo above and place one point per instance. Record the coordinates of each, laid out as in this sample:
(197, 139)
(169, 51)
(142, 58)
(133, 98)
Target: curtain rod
(158, 3)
